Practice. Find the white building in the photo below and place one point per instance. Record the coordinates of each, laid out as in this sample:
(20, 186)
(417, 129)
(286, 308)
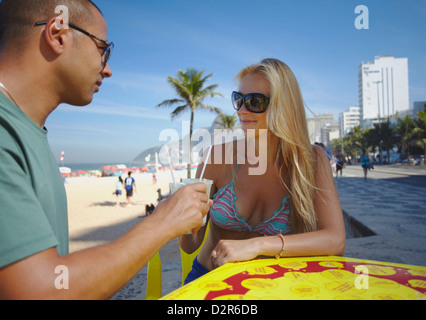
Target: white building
(329, 132)
(383, 87)
(417, 107)
(316, 123)
(349, 120)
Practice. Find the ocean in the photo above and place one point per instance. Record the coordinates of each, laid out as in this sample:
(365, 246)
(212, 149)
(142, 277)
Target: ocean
(87, 166)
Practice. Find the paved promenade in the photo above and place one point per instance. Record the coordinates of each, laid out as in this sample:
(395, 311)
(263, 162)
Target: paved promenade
(391, 205)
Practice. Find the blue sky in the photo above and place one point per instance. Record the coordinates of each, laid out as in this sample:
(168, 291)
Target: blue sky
(154, 39)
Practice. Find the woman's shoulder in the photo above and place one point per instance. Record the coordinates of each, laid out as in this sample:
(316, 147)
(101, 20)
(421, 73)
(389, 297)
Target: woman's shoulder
(319, 153)
(320, 157)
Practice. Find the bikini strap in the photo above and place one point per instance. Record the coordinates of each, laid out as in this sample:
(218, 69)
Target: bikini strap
(235, 173)
(236, 169)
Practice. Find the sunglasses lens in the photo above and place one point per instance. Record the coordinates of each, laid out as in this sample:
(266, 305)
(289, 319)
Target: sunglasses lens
(237, 100)
(257, 103)
(254, 102)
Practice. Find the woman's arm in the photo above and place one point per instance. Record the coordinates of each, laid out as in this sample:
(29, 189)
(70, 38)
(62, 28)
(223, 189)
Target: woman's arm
(329, 239)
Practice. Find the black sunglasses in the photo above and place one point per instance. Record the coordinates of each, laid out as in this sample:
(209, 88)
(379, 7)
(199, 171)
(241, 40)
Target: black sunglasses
(254, 102)
(107, 50)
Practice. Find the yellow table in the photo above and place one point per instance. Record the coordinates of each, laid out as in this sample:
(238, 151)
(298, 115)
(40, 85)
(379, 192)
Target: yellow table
(307, 278)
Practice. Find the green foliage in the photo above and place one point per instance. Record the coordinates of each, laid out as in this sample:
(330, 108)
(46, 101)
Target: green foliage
(227, 121)
(407, 134)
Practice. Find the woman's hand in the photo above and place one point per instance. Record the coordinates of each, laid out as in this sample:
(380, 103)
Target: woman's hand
(235, 250)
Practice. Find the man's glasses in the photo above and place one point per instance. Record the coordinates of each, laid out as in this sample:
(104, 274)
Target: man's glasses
(254, 102)
(107, 50)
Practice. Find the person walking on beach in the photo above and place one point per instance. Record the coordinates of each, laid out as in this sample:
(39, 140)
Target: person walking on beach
(47, 59)
(118, 189)
(130, 185)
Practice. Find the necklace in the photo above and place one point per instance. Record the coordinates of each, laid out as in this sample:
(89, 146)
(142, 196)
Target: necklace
(8, 93)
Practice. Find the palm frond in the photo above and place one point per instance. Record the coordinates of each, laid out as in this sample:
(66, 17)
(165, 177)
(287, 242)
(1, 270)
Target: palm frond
(210, 108)
(189, 87)
(227, 121)
(180, 88)
(170, 102)
(178, 111)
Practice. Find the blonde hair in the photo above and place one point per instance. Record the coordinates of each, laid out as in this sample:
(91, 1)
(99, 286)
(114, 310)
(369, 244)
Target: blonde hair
(286, 119)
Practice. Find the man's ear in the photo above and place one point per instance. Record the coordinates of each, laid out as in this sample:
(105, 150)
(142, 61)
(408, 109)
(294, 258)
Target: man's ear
(56, 34)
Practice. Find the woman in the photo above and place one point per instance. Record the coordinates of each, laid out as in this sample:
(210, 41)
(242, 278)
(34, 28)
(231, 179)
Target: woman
(118, 189)
(365, 163)
(292, 209)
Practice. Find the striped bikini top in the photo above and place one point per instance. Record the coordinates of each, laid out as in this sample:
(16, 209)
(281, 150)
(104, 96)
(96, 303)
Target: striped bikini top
(224, 214)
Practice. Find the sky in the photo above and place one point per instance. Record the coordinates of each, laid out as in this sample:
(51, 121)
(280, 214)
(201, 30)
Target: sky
(317, 39)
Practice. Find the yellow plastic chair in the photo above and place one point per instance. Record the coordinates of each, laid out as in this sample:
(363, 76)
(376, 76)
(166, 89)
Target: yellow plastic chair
(187, 259)
(153, 285)
(153, 282)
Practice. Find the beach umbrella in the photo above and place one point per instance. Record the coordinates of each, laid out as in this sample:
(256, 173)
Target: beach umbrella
(144, 169)
(95, 173)
(81, 172)
(135, 169)
(64, 170)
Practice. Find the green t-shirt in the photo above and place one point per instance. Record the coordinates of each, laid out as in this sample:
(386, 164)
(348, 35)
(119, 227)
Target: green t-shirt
(33, 205)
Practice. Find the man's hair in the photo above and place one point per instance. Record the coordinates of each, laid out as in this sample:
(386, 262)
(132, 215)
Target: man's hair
(18, 16)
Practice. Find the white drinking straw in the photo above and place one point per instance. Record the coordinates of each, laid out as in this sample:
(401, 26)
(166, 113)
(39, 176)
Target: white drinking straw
(170, 164)
(205, 163)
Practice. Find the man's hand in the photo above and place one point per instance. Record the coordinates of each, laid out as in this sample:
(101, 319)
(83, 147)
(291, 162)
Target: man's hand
(184, 210)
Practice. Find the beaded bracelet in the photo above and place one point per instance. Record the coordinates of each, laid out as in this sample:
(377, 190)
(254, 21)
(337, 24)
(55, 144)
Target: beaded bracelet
(282, 250)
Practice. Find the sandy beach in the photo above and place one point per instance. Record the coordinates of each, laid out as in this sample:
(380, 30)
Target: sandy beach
(95, 219)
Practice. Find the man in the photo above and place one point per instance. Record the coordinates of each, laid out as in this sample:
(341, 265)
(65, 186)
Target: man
(129, 184)
(340, 161)
(44, 61)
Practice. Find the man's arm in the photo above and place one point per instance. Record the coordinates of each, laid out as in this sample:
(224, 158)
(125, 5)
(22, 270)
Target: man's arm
(99, 272)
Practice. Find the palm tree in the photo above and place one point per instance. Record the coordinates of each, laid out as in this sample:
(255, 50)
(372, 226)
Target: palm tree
(420, 131)
(357, 139)
(227, 122)
(404, 130)
(189, 86)
(387, 136)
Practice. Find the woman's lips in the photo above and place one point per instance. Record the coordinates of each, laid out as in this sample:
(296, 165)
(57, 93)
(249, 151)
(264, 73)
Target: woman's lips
(247, 121)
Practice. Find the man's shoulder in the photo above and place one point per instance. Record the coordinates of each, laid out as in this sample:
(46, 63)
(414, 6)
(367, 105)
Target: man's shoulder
(9, 135)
